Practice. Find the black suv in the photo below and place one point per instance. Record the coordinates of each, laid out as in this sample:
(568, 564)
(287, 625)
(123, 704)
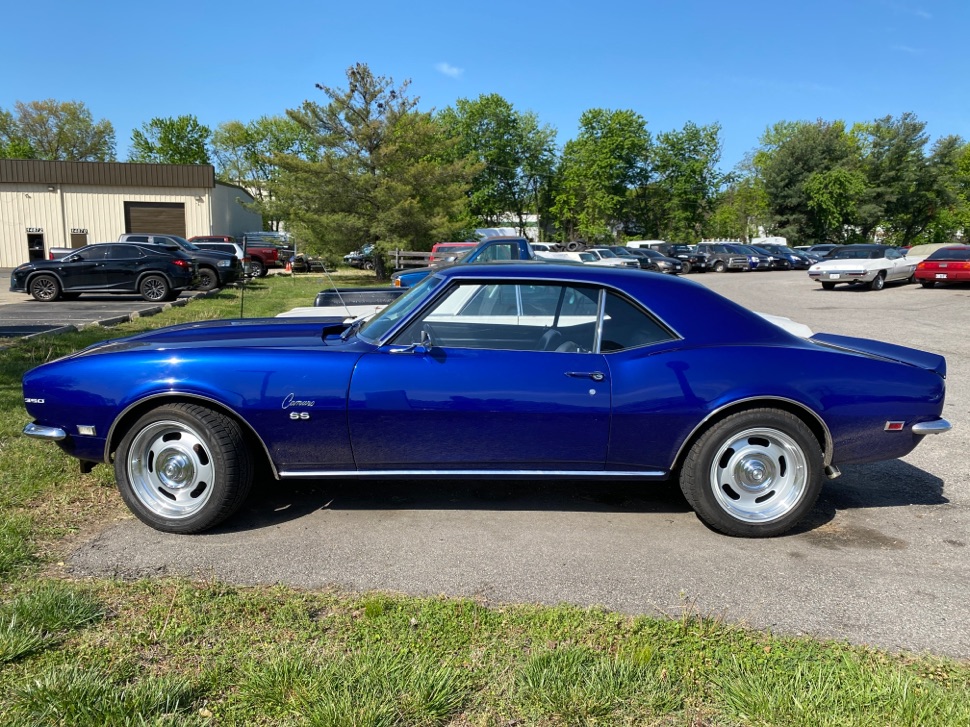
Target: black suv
(216, 269)
(722, 256)
(156, 272)
(691, 260)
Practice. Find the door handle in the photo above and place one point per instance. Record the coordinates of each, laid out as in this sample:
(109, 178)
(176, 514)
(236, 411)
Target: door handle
(594, 375)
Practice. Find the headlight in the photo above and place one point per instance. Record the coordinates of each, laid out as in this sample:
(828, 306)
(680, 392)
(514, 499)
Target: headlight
(225, 263)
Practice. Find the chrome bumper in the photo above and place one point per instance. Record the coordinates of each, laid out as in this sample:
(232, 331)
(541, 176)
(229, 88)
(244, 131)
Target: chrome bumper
(51, 434)
(937, 426)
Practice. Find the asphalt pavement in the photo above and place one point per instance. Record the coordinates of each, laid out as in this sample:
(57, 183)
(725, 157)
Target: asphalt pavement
(883, 560)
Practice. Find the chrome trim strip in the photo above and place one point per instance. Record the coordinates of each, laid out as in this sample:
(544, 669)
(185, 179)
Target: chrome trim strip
(524, 474)
(829, 444)
(51, 434)
(937, 426)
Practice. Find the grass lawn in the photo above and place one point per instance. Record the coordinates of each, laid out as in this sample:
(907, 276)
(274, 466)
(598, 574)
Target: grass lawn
(181, 652)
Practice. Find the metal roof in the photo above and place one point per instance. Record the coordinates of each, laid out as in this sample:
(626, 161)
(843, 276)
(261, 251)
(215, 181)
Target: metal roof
(107, 174)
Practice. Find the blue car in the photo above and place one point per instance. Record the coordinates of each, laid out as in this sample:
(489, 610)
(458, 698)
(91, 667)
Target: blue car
(531, 369)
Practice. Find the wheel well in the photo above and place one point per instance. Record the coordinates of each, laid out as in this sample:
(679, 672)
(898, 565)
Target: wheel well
(50, 273)
(121, 425)
(148, 273)
(808, 418)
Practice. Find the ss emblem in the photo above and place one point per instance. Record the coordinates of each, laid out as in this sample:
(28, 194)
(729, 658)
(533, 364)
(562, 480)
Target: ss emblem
(299, 415)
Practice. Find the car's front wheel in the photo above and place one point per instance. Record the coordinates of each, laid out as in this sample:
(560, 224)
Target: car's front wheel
(45, 288)
(720, 267)
(257, 269)
(183, 468)
(154, 289)
(685, 267)
(754, 474)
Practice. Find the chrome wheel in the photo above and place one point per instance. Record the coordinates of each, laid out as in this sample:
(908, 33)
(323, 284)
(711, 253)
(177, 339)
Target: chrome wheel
(170, 470)
(44, 288)
(154, 289)
(759, 475)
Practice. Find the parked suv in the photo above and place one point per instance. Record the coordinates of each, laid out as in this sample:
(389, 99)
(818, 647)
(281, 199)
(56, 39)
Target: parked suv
(722, 257)
(156, 272)
(216, 269)
(690, 259)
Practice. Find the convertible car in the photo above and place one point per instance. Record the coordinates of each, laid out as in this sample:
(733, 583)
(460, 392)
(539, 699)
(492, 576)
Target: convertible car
(535, 369)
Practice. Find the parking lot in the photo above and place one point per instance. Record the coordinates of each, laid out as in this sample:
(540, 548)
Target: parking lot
(883, 561)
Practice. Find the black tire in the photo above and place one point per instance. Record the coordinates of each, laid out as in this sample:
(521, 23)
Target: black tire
(183, 468)
(154, 288)
(719, 267)
(878, 282)
(754, 474)
(45, 288)
(685, 267)
(369, 265)
(574, 246)
(257, 269)
(208, 279)
(828, 286)
(927, 283)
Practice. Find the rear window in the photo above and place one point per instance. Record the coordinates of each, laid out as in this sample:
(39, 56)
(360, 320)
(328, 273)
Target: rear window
(953, 253)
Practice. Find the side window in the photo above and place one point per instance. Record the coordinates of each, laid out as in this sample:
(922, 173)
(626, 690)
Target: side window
(510, 316)
(627, 326)
(137, 238)
(92, 253)
(501, 251)
(124, 252)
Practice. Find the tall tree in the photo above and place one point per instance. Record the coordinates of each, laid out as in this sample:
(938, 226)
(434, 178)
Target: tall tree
(55, 131)
(172, 140)
(381, 171)
(245, 155)
(515, 153)
(609, 158)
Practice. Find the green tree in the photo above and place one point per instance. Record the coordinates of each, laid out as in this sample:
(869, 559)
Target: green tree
(245, 155)
(685, 166)
(55, 131)
(172, 140)
(798, 159)
(515, 154)
(609, 158)
(380, 171)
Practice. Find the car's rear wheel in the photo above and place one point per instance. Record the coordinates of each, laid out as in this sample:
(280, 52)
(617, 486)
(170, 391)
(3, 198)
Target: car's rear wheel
(183, 468)
(208, 279)
(927, 283)
(45, 288)
(154, 288)
(754, 474)
(720, 267)
(368, 265)
(878, 282)
(827, 285)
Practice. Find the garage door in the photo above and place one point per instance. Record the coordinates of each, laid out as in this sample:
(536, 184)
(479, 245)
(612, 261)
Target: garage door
(162, 217)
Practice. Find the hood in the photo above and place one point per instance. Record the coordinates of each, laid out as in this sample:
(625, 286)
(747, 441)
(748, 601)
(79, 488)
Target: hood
(237, 333)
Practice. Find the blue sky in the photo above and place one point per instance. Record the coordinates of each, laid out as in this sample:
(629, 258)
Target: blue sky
(744, 64)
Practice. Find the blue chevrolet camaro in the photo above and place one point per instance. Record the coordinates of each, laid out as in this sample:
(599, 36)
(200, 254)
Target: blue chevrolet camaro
(526, 370)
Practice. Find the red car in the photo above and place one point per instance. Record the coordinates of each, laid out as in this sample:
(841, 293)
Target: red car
(442, 250)
(949, 264)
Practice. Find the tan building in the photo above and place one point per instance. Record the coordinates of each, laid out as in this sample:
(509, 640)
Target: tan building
(72, 204)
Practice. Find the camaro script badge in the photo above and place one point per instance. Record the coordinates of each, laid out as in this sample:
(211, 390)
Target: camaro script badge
(291, 401)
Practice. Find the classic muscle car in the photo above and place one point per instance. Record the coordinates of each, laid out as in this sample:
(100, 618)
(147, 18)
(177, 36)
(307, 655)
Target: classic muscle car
(870, 265)
(531, 369)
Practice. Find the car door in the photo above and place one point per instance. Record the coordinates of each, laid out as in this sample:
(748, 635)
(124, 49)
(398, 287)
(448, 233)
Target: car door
(122, 267)
(84, 269)
(900, 268)
(497, 376)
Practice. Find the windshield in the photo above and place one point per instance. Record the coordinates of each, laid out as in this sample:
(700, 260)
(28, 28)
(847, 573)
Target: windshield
(606, 253)
(374, 329)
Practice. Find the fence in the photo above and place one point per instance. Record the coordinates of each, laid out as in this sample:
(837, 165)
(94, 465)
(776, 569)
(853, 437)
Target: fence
(401, 259)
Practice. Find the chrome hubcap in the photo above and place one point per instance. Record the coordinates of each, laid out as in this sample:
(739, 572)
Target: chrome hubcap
(759, 475)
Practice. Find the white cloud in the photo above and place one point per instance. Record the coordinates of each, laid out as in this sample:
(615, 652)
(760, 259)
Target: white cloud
(449, 70)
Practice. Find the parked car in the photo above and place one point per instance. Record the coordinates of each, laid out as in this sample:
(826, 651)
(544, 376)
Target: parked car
(797, 259)
(156, 272)
(823, 249)
(950, 264)
(608, 257)
(722, 257)
(658, 261)
(362, 258)
(491, 249)
(771, 260)
(234, 248)
(196, 239)
(216, 269)
(869, 265)
(690, 259)
(526, 357)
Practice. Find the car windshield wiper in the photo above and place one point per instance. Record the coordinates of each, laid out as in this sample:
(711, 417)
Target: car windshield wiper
(352, 328)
